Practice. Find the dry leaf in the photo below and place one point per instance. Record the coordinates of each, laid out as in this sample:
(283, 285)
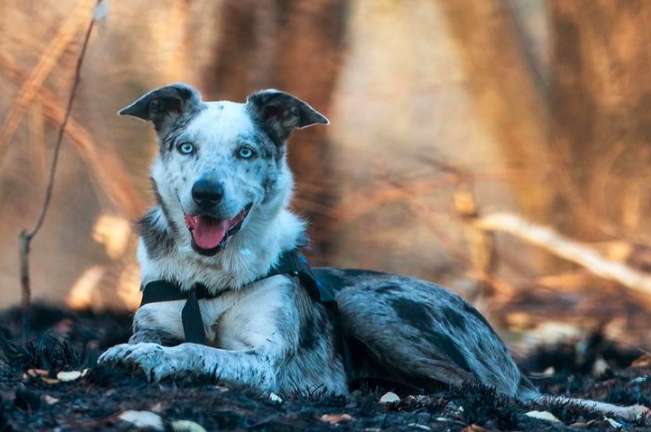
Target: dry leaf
(643, 361)
(187, 426)
(48, 380)
(389, 397)
(143, 419)
(33, 373)
(69, 376)
(336, 418)
(474, 428)
(543, 415)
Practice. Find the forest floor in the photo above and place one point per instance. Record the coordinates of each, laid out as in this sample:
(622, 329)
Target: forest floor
(72, 341)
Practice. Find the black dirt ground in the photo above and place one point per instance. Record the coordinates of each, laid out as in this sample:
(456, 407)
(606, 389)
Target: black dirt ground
(72, 341)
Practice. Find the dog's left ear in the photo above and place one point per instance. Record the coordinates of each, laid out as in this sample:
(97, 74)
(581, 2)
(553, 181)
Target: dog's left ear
(282, 112)
(161, 105)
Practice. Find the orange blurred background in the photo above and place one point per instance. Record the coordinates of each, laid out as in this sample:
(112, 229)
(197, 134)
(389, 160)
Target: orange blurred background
(497, 147)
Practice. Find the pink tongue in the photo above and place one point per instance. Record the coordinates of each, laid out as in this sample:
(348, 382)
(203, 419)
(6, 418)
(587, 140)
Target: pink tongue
(208, 233)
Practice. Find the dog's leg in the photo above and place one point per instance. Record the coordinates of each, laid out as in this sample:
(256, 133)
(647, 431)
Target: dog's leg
(528, 393)
(260, 337)
(158, 323)
(631, 413)
(255, 368)
(160, 337)
(425, 332)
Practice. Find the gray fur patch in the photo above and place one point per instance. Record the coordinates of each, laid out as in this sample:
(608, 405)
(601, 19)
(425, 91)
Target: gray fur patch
(454, 318)
(413, 313)
(158, 240)
(161, 203)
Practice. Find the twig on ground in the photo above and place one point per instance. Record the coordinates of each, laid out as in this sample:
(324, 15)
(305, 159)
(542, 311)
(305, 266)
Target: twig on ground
(26, 237)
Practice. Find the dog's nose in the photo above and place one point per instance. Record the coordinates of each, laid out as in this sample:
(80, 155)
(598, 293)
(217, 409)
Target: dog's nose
(207, 192)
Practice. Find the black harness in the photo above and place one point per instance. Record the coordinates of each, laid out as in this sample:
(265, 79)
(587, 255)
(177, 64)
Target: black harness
(291, 263)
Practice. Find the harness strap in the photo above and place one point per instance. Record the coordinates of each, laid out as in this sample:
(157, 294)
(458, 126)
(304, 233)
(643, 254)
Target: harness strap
(192, 320)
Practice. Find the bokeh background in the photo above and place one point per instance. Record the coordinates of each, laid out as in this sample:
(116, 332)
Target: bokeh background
(498, 147)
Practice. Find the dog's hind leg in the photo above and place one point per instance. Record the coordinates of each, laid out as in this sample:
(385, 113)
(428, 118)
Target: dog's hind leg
(430, 334)
(427, 333)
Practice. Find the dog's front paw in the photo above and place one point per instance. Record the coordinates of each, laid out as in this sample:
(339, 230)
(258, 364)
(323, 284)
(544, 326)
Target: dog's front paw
(114, 355)
(154, 360)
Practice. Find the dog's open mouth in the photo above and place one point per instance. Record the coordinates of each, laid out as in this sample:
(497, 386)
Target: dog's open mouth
(209, 234)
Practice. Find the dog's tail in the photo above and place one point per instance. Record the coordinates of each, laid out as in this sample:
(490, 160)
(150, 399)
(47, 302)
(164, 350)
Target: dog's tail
(528, 393)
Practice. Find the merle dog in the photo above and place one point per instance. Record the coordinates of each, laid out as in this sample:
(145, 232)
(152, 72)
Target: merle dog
(223, 186)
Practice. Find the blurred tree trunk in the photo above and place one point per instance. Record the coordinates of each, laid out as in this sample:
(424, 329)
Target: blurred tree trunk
(295, 46)
(511, 100)
(509, 93)
(601, 110)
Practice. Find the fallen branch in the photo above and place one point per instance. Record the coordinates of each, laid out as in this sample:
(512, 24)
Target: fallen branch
(568, 249)
(26, 237)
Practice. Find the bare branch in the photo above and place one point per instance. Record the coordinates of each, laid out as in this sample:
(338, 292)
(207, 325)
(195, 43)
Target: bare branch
(27, 236)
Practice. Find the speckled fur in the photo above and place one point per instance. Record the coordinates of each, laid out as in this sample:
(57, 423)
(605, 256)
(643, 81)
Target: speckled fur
(270, 335)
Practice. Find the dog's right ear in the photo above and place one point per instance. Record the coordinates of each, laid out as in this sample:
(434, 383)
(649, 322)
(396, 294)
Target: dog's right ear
(162, 105)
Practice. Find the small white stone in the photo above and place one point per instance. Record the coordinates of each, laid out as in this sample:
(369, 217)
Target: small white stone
(599, 367)
(419, 426)
(143, 419)
(187, 426)
(275, 398)
(389, 397)
(543, 415)
(69, 376)
(638, 380)
(50, 400)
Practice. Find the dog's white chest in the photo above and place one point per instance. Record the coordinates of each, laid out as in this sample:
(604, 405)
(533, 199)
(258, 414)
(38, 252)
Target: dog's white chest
(235, 320)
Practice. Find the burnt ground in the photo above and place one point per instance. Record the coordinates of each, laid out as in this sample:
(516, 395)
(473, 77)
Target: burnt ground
(72, 341)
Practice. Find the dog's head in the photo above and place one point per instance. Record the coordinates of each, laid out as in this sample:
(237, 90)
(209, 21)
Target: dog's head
(220, 163)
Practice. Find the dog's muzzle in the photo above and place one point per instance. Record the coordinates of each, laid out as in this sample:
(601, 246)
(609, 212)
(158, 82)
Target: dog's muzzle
(209, 234)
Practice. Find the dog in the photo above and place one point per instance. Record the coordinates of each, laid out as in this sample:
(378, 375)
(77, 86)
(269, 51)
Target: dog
(223, 187)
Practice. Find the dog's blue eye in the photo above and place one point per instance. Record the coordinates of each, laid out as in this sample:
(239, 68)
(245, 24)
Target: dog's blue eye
(245, 152)
(186, 148)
